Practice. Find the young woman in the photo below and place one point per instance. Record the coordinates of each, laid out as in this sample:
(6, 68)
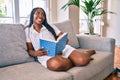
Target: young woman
(38, 28)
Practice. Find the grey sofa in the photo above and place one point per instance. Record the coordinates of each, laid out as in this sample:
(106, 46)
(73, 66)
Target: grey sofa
(16, 64)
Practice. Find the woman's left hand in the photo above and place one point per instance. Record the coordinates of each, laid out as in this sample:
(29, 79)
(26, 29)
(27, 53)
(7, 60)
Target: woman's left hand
(60, 53)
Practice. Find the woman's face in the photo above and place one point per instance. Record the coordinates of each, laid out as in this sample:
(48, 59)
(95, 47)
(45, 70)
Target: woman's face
(39, 17)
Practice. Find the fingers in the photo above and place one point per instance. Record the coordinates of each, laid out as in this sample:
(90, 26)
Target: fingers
(60, 53)
(41, 48)
(42, 52)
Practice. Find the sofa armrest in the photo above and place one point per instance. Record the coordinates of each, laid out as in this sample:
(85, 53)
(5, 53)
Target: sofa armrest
(97, 43)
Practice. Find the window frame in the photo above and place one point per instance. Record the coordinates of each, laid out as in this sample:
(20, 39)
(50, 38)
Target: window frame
(15, 12)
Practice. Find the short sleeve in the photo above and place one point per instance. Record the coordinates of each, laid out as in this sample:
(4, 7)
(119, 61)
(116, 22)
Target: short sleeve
(27, 31)
(57, 31)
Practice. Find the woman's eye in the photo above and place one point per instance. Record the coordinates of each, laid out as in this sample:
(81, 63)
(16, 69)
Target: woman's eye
(37, 13)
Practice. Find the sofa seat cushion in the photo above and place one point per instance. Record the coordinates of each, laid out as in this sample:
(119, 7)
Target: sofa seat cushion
(13, 48)
(66, 26)
(94, 67)
(31, 71)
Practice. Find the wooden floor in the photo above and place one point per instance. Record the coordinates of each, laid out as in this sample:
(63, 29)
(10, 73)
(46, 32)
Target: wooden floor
(117, 57)
(113, 76)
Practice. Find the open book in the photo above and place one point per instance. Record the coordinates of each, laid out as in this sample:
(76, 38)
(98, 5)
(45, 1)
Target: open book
(54, 47)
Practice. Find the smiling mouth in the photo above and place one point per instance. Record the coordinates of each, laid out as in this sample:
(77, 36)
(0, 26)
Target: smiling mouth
(40, 20)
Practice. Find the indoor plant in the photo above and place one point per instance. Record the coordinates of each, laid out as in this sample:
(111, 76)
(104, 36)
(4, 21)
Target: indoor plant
(71, 2)
(90, 8)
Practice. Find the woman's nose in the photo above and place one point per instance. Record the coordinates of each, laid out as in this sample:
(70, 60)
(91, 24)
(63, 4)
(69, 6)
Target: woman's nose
(40, 15)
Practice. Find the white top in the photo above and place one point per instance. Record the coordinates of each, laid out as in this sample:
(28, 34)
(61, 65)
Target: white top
(33, 36)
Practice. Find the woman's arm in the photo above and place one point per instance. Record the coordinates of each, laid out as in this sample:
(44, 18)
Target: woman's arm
(32, 52)
(61, 34)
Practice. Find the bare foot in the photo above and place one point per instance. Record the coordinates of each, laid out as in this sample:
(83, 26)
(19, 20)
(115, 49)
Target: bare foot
(89, 51)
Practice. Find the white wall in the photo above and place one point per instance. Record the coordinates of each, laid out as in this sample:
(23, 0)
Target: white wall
(74, 17)
(53, 10)
(71, 13)
(114, 28)
(62, 15)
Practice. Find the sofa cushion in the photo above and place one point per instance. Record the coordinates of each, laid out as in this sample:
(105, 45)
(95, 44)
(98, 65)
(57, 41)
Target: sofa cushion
(66, 26)
(32, 71)
(13, 48)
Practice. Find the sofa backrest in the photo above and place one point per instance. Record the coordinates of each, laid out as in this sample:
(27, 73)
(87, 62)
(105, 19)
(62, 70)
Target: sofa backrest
(67, 26)
(13, 49)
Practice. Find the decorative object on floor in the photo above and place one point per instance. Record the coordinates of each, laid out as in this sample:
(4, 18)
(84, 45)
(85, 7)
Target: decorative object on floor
(118, 72)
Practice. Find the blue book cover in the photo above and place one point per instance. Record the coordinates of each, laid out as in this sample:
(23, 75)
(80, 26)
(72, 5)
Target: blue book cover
(54, 47)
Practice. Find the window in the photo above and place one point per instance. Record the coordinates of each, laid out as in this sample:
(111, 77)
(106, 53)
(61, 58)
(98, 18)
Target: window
(26, 6)
(6, 11)
(18, 11)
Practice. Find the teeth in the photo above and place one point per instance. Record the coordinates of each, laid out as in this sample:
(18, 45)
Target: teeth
(40, 19)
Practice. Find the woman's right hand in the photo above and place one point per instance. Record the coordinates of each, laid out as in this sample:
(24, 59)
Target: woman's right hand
(41, 52)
